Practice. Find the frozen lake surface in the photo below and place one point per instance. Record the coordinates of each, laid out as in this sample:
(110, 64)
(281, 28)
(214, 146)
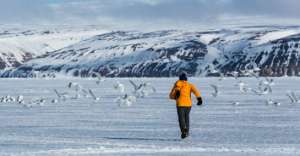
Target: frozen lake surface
(85, 127)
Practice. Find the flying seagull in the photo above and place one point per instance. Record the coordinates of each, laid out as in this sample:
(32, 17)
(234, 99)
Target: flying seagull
(126, 100)
(292, 96)
(61, 96)
(99, 78)
(271, 102)
(143, 89)
(119, 87)
(216, 91)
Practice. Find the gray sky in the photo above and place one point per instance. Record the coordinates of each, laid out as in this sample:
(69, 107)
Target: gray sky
(150, 13)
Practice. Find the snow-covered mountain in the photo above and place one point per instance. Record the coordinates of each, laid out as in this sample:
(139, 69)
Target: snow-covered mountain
(273, 49)
(20, 44)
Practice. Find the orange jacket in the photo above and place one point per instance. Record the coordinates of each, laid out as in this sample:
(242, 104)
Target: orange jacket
(185, 89)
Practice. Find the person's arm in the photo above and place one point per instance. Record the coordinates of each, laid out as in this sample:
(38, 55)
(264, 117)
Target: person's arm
(197, 93)
(172, 93)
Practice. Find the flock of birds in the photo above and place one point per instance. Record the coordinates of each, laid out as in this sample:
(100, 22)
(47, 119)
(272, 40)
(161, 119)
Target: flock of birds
(144, 89)
(139, 91)
(264, 87)
(20, 100)
(77, 91)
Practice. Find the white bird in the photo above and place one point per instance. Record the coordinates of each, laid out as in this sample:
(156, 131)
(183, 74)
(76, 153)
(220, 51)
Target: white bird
(54, 101)
(78, 90)
(271, 102)
(99, 78)
(35, 102)
(216, 91)
(265, 87)
(249, 73)
(269, 81)
(242, 87)
(260, 92)
(252, 73)
(235, 103)
(3, 100)
(256, 69)
(235, 74)
(41, 102)
(143, 89)
(20, 99)
(9, 98)
(75, 86)
(292, 96)
(295, 97)
(126, 100)
(12, 99)
(61, 96)
(222, 77)
(277, 103)
(21, 102)
(135, 86)
(214, 71)
(119, 87)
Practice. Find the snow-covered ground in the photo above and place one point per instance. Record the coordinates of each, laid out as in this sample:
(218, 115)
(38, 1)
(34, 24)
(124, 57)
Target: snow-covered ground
(86, 127)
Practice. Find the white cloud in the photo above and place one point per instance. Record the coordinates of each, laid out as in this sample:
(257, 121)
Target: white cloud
(151, 13)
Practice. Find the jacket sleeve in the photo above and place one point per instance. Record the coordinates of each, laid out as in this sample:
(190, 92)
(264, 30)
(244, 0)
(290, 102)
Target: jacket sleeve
(172, 93)
(195, 91)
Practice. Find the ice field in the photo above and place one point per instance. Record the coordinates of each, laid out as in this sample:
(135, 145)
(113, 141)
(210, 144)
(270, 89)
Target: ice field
(231, 124)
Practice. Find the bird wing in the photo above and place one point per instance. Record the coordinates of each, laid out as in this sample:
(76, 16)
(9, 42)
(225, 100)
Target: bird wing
(215, 88)
(133, 84)
(254, 74)
(290, 97)
(269, 80)
(92, 94)
(256, 92)
(70, 84)
(269, 88)
(294, 96)
(153, 89)
(57, 93)
(235, 75)
(84, 91)
(132, 98)
(243, 89)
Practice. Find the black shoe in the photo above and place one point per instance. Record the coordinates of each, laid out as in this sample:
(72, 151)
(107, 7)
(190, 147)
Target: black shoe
(184, 134)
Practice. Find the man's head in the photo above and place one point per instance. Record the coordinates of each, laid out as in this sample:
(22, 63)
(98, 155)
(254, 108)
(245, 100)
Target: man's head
(183, 76)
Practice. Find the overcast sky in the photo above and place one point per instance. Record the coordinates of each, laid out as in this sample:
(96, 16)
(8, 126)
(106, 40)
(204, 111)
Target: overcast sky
(150, 13)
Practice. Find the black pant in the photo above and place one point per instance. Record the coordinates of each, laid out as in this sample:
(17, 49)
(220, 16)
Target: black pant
(184, 118)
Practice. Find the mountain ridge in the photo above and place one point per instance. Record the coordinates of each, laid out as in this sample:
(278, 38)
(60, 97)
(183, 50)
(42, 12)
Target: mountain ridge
(273, 50)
